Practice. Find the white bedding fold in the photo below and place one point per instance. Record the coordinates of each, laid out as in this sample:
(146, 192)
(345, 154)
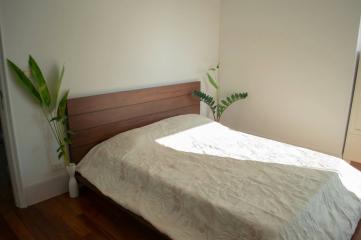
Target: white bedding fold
(195, 179)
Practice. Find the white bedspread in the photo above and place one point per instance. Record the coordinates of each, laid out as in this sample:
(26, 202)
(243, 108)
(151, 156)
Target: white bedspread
(195, 179)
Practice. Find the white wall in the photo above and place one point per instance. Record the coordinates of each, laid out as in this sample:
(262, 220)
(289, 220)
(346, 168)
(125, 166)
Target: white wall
(296, 59)
(359, 39)
(106, 46)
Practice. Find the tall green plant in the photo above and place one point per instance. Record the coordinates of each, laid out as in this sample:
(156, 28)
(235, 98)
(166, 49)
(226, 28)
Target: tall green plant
(53, 108)
(218, 106)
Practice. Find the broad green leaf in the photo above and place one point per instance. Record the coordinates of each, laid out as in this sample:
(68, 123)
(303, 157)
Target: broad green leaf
(39, 78)
(56, 90)
(212, 81)
(61, 112)
(25, 81)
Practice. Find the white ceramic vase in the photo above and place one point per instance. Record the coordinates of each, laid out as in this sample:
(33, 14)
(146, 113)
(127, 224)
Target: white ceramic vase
(73, 184)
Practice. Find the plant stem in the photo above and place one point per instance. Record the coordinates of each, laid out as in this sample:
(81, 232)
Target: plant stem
(51, 127)
(59, 136)
(55, 125)
(217, 96)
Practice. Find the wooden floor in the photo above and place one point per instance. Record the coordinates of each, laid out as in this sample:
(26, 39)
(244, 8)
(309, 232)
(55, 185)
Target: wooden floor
(87, 217)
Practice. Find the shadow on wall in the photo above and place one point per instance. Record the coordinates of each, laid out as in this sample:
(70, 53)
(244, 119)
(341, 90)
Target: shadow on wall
(5, 184)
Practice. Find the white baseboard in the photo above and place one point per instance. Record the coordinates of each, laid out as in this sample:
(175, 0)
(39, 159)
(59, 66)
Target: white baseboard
(42, 191)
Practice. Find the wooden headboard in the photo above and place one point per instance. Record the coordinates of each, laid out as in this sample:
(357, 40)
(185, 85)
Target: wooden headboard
(94, 119)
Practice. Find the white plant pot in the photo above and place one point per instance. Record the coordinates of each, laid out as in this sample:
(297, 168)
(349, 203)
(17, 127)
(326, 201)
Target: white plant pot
(73, 184)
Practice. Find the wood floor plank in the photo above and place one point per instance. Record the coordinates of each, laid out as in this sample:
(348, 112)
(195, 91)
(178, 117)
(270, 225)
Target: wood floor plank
(33, 222)
(5, 231)
(93, 236)
(98, 230)
(71, 219)
(58, 225)
(21, 232)
(44, 225)
(74, 204)
(86, 218)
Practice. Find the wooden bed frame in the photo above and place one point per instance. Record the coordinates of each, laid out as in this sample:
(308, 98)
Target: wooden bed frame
(94, 119)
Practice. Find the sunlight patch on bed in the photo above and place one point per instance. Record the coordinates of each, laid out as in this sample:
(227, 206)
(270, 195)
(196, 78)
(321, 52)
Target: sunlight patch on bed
(204, 139)
(217, 140)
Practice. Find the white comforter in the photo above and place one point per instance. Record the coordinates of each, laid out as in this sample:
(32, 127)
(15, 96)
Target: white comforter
(195, 179)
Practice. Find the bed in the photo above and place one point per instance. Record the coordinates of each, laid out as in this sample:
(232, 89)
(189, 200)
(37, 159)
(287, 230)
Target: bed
(150, 152)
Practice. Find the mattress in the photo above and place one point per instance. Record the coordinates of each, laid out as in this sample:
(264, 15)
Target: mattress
(196, 179)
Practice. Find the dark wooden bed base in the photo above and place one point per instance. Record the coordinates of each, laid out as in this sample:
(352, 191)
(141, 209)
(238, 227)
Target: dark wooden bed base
(85, 183)
(96, 118)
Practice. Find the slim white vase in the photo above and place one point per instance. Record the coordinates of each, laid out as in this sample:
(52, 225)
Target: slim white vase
(73, 184)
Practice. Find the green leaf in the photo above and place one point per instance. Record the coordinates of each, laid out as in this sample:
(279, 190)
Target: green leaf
(229, 101)
(207, 99)
(212, 81)
(243, 95)
(225, 103)
(55, 119)
(61, 111)
(56, 90)
(60, 154)
(25, 81)
(60, 148)
(67, 140)
(39, 78)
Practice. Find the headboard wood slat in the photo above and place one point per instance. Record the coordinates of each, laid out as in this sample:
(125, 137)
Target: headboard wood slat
(103, 132)
(96, 118)
(106, 132)
(120, 99)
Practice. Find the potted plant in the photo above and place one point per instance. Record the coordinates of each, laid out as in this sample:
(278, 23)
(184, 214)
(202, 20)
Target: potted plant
(218, 106)
(53, 108)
